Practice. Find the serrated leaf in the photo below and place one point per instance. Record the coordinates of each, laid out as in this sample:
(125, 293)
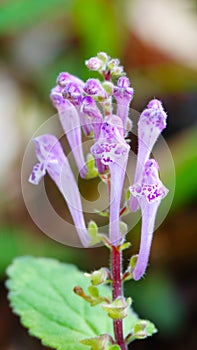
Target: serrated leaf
(41, 293)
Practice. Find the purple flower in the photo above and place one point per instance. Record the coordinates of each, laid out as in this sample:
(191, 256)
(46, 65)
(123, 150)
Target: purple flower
(123, 94)
(94, 88)
(64, 78)
(90, 109)
(151, 123)
(53, 160)
(149, 193)
(73, 93)
(70, 121)
(113, 151)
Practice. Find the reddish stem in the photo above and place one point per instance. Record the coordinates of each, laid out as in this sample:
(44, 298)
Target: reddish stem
(117, 292)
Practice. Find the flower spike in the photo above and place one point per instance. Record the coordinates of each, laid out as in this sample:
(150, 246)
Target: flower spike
(113, 151)
(151, 123)
(149, 194)
(53, 160)
(70, 121)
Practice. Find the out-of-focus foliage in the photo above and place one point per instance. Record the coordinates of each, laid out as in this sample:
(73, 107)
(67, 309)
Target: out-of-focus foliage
(16, 241)
(16, 16)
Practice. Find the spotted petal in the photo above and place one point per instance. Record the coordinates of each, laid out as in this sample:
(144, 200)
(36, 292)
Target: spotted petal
(148, 194)
(113, 151)
(151, 123)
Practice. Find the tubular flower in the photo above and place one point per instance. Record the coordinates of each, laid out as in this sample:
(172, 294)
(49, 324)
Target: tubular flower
(151, 123)
(149, 193)
(53, 160)
(70, 121)
(113, 151)
(64, 78)
(94, 88)
(73, 93)
(90, 109)
(123, 94)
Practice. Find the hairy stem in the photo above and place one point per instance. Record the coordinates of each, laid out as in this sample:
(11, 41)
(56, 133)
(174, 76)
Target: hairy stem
(117, 290)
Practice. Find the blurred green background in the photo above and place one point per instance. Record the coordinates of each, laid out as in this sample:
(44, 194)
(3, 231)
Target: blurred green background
(156, 42)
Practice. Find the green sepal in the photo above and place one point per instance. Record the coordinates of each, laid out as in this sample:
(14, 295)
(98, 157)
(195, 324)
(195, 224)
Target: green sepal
(133, 261)
(96, 343)
(94, 292)
(127, 194)
(93, 233)
(125, 245)
(118, 309)
(141, 330)
(92, 170)
(99, 276)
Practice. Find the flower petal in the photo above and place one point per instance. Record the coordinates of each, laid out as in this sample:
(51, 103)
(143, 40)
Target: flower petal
(70, 121)
(37, 173)
(149, 194)
(151, 123)
(123, 94)
(113, 151)
(50, 153)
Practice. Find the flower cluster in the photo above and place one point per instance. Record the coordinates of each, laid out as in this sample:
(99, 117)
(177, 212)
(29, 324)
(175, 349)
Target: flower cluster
(87, 108)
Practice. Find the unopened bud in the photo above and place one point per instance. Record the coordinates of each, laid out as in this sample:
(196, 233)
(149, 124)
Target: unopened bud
(94, 63)
(103, 57)
(109, 87)
(99, 276)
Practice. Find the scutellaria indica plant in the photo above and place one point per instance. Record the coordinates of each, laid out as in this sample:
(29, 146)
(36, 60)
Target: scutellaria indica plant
(59, 305)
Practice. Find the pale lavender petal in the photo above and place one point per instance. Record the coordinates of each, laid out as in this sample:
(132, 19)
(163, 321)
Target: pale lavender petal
(123, 94)
(149, 193)
(117, 172)
(73, 93)
(90, 108)
(94, 88)
(113, 151)
(70, 121)
(151, 123)
(148, 221)
(50, 153)
(64, 78)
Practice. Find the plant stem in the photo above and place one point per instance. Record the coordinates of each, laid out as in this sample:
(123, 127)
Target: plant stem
(117, 290)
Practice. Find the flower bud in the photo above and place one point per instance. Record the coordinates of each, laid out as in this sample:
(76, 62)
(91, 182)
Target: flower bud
(94, 63)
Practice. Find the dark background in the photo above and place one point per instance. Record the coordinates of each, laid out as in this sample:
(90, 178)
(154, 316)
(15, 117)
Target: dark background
(155, 42)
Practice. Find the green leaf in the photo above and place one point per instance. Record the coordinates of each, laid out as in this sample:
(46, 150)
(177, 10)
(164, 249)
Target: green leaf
(41, 293)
